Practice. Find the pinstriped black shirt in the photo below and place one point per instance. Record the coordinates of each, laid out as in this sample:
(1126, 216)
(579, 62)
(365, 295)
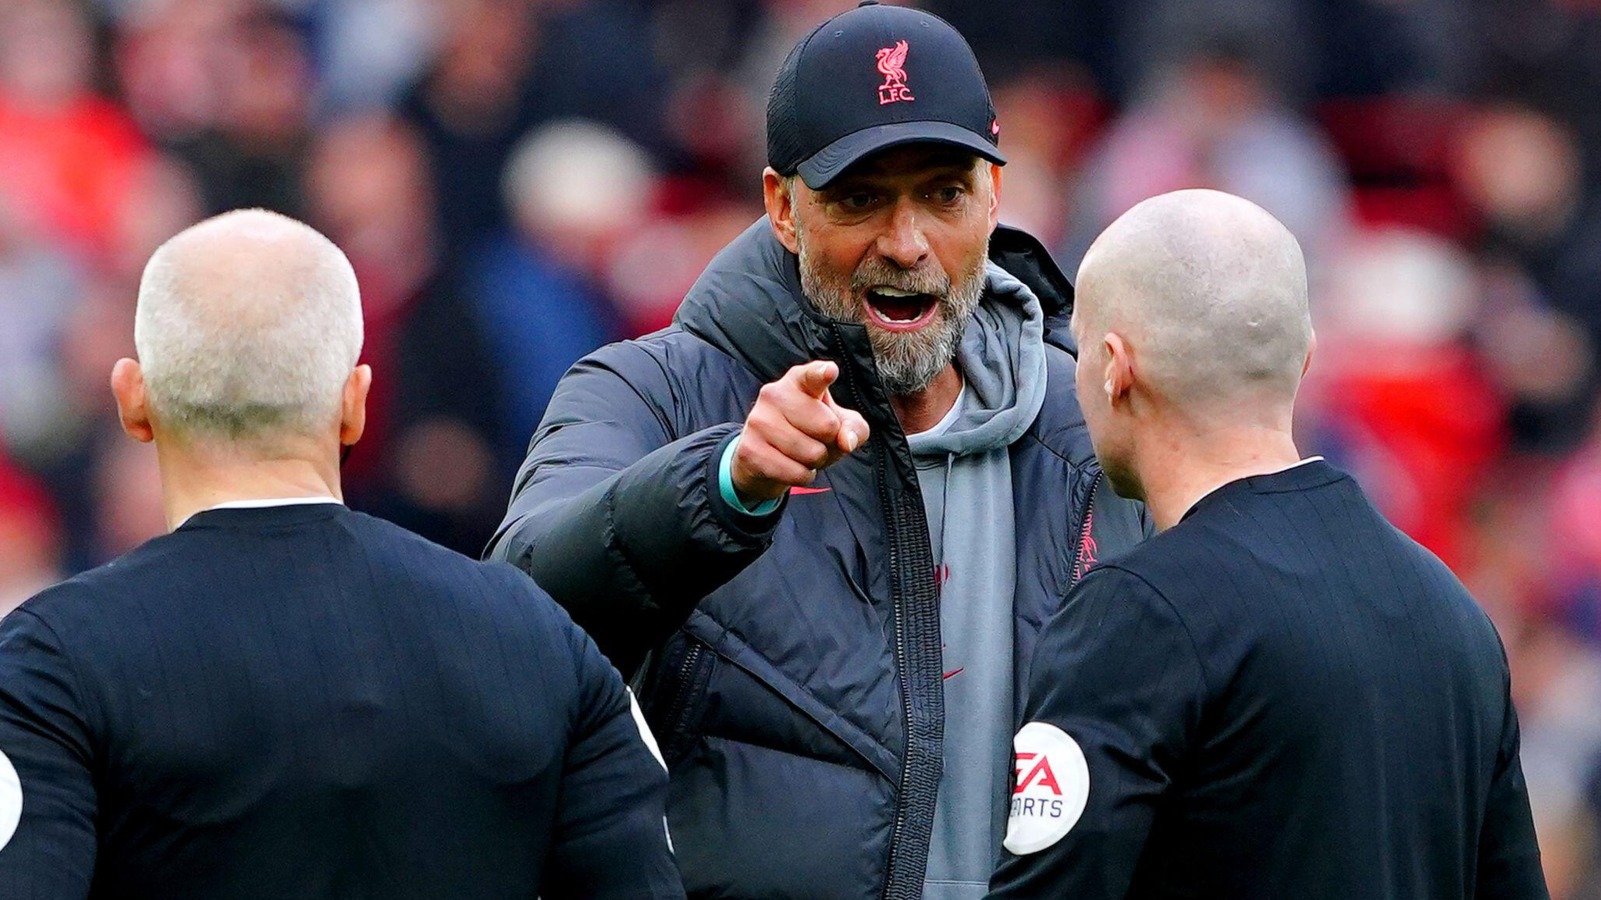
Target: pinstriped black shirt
(306, 702)
(1281, 696)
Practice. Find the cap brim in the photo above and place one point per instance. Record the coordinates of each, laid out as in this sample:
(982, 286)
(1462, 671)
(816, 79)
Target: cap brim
(826, 164)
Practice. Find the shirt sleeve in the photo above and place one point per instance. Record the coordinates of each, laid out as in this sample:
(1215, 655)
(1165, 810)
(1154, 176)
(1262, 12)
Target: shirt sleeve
(1509, 857)
(46, 785)
(611, 836)
(1115, 692)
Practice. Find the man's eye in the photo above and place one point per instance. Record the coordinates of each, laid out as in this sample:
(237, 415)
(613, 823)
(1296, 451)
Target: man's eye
(949, 194)
(857, 201)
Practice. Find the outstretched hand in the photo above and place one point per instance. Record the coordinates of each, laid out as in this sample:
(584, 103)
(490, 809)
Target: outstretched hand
(794, 431)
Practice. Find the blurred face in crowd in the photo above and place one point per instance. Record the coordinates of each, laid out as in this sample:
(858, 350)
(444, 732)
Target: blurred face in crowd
(897, 243)
(46, 50)
(368, 186)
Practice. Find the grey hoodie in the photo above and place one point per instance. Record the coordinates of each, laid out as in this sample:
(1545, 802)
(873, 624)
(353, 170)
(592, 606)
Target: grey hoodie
(965, 476)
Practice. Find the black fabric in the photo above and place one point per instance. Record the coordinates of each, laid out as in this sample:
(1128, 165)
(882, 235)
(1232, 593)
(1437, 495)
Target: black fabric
(1281, 696)
(789, 666)
(871, 78)
(307, 702)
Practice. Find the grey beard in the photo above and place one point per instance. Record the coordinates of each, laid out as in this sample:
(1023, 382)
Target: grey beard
(907, 362)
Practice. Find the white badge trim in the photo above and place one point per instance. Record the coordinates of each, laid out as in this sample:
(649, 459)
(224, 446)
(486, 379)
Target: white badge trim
(656, 751)
(644, 729)
(10, 799)
(1052, 786)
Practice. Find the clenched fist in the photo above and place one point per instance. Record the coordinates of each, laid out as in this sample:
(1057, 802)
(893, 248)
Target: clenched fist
(794, 431)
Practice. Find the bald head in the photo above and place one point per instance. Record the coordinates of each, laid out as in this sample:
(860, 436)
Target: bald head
(248, 326)
(1209, 291)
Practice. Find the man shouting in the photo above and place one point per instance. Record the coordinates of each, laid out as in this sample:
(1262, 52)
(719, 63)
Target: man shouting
(822, 516)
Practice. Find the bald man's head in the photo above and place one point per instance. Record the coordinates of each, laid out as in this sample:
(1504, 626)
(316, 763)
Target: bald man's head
(248, 326)
(1209, 293)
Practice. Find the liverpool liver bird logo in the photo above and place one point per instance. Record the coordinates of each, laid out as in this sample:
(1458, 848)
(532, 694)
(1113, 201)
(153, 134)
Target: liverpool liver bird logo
(892, 63)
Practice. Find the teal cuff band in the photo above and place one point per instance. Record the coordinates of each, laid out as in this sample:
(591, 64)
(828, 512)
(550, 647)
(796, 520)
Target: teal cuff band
(725, 485)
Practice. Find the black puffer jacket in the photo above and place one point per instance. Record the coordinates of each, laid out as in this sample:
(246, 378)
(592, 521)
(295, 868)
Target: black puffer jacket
(789, 666)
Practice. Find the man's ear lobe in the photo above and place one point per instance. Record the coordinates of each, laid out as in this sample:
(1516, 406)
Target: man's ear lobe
(353, 405)
(133, 410)
(995, 196)
(780, 203)
(1119, 367)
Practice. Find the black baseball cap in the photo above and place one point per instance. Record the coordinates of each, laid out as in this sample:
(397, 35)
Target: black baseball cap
(872, 78)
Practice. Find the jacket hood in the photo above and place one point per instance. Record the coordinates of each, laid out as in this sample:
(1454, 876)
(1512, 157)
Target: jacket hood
(1002, 360)
(748, 304)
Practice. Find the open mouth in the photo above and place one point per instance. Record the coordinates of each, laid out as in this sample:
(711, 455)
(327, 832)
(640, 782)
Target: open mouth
(899, 310)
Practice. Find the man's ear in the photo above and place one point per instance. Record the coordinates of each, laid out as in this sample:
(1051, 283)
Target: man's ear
(780, 209)
(133, 410)
(995, 196)
(1119, 369)
(1311, 348)
(353, 405)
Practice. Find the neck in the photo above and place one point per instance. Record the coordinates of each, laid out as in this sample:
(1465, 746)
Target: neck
(1181, 468)
(922, 410)
(195, 478)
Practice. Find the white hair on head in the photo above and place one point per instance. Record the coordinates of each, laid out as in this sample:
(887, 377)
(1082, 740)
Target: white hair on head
(579, 175)
(247, 327)
(1210, 291)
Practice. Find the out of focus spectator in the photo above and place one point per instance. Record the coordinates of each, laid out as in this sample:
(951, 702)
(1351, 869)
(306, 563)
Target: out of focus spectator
(1576, 539)
(471, 106)
(30, 538)
(227, 87)
(68, 153)
(1522, 171)
(1050, 118)
(501, 69)
(95, 332)
(1215, 120)
(373, 50)
(574, 189)
(434, 401)
(40, 285)
(1399, 397)
(1544, 51)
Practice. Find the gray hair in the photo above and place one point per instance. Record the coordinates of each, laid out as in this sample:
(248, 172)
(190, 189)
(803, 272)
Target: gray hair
(1211, 291)
(248, 326)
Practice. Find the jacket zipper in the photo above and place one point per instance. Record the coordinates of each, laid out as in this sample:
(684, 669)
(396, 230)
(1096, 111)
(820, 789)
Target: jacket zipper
(1082, 558)
(906, 698)
(897, 529)
(686, 672)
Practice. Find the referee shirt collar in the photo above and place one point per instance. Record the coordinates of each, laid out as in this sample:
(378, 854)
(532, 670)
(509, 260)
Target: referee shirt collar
(260, 503)
(1289, 468)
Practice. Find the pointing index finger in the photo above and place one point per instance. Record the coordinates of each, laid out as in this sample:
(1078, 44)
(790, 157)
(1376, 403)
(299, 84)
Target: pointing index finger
(816, 377)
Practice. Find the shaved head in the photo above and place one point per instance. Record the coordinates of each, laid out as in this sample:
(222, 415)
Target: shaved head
(248, 326)
(1209, 292)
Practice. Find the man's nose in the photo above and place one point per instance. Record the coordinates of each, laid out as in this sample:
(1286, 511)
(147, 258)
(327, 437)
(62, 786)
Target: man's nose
(904, 243)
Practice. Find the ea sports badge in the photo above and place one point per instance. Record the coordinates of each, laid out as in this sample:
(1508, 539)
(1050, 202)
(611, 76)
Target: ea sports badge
(1053, 784)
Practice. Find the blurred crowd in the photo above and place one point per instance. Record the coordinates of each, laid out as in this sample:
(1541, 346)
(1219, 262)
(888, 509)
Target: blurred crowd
(519, 181)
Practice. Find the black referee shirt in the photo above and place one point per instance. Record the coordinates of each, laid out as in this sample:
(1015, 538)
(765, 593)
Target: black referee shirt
(304, 702)
(1282, 696)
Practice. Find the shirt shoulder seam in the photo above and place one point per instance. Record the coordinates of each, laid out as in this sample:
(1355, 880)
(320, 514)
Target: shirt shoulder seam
(1178, 616)
(89, 702)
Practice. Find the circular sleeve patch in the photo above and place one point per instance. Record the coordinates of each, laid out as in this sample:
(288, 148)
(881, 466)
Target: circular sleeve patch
(1053, 784)
(10, 799)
